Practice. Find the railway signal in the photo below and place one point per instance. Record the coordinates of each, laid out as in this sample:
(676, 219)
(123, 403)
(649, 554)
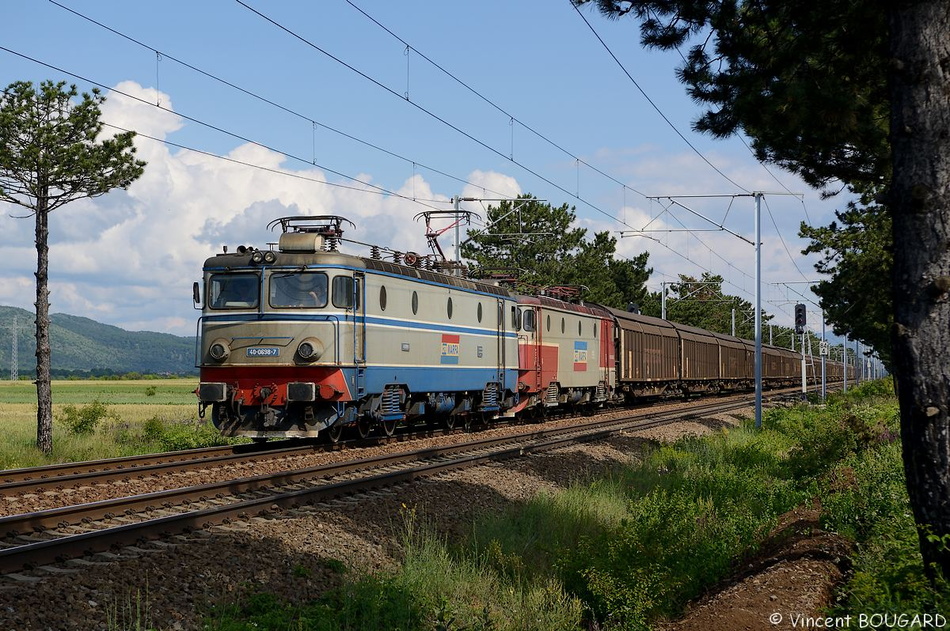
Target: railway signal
(799, 318)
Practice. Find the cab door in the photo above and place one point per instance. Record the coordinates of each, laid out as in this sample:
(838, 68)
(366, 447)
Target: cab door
(348, 294)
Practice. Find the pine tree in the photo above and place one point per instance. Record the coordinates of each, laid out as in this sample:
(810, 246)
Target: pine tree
(51, 153)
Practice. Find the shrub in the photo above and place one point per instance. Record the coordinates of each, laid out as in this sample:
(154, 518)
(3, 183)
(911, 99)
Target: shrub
(179, 435)
(83, 420)
(638, 545)
(873, 508)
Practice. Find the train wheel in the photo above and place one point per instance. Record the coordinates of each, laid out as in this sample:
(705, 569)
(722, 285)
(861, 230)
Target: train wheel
(389, 427)
(364, 427)
(334, 432)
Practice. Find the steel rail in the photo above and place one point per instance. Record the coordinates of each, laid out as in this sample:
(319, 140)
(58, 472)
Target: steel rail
(19, 479)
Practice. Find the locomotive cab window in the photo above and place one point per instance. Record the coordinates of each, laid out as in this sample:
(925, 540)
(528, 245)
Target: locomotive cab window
(344, 292)
(298, 290)
(234, 291)
(528, 320)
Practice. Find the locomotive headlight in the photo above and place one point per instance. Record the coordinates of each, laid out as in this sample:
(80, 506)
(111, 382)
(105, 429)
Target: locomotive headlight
(310, 350)
(269, 257)
(257, 257)
(219, 350)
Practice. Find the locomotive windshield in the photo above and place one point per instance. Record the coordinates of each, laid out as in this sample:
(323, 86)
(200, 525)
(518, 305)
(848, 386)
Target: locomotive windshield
(234, 291)
(298, 290)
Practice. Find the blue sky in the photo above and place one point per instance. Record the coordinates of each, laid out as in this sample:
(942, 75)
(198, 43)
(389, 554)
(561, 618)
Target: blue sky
(377, 111)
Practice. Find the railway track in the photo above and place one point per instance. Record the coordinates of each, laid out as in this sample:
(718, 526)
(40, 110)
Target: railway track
(71, 532)
(63, 480)
(98, 472)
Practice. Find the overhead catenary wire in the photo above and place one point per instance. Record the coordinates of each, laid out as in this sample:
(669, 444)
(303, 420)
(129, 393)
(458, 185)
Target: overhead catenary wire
(314, 123)
(666, 119)
(426, 111)
(221, 130)
(653, 104)
(383, 191)
(767, 170)
(782, 239)
(512, 118)
(366, 143)
(742, 140)
(374, 81)
(578, 160)
(379, 189)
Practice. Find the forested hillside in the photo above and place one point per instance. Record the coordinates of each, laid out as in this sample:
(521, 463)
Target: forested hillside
(82, 346)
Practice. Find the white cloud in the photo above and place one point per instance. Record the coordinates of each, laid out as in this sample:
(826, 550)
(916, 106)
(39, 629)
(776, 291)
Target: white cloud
(491, 184)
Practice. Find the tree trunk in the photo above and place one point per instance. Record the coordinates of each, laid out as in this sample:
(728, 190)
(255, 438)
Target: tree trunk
(44, 395)
(920, 130)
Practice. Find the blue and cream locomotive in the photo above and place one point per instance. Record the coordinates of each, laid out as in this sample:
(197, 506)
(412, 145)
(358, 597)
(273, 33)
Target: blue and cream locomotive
(302, 339)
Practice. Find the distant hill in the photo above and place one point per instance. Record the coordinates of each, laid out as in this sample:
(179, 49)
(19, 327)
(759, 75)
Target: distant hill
(84, 346)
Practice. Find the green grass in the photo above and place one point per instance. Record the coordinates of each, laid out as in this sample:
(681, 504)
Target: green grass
(117, 392)
(434, 588)
(636, 546)
(128, 417)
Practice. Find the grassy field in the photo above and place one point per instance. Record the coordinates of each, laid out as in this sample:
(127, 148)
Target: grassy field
(133, 416)
(175, 392)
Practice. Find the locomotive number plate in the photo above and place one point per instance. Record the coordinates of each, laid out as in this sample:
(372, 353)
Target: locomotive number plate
(263, 351)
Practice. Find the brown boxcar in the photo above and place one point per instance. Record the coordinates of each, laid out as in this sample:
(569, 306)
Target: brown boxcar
(737, 362)
(648, 353)
(699, 358)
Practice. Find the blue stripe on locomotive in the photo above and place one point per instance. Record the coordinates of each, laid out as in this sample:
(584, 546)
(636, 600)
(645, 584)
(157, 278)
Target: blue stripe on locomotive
(348, 319)
(434, 378)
